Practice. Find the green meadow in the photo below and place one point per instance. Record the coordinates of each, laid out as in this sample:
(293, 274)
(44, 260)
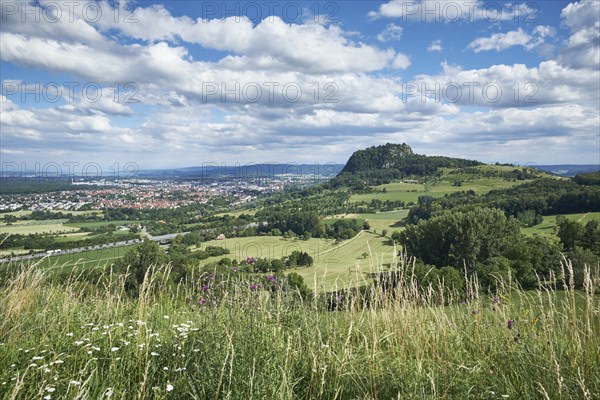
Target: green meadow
(100, 258)
(26, 227)
(410, 192)
(68, 341)
(335, 264)
(388, 220)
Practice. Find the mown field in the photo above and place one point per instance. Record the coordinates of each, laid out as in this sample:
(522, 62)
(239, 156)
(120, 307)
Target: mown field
(87, 259)
(389, 220)
(64, 341)
(335, 264)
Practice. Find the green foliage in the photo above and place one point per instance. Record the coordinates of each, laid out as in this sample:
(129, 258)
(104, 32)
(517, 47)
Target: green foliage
(530, 200)
(592, 178)
(344, 229)
(299, 259)
(136, 263)
(295, 282)
(300, 223)
(580, 260)
(461, 238)
(591, 237)
(530, 218)
(572, 234)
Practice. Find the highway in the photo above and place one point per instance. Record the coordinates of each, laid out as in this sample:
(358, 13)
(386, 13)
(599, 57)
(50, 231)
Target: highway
(160, 238)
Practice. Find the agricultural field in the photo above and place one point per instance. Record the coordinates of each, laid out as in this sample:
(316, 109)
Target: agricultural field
(25, 227)
(237, 213)
(349, 263)
(98, 224)
(267, 246)
(388, 220)
(16, 252)
(24, 213)
(548, 225)
(394, 191)
(334, 264)
(73, 237)
(410, 192)
(83, 260)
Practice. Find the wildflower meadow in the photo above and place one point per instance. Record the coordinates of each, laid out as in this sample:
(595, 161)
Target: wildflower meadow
(63, 340)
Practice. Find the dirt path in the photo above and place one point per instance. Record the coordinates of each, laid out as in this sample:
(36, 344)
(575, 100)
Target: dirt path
(340, 245)
(582, 217)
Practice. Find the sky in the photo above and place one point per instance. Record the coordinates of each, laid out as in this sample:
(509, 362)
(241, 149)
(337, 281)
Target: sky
(184, 83)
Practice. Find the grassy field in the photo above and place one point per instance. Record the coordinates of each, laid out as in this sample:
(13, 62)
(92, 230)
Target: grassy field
(548, 225)
(389, 221)
(85, 259)
(72, 237)
(267, 246)
(64, 231)
(334, 264)
(344, 264)
(237, 213)
(13, 251)
(43, 226)
(98, 224)
(411, 191)
(62, 341)
(23, 213)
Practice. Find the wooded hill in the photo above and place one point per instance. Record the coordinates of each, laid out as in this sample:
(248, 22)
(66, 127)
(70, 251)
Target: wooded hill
(382, 164)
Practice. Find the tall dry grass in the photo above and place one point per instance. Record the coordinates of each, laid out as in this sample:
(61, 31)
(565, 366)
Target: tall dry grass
(67, 340)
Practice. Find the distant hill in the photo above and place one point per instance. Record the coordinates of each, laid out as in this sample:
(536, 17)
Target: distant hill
(380, 164)
(569, 170)
(213, 171)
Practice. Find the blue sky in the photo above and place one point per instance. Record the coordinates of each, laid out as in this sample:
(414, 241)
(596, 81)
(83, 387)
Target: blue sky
(182, 83)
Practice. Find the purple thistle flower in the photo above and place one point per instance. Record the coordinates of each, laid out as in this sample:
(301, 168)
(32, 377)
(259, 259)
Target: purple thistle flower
(202, 302)
(205, 288)
(234, 269)
(475, 312)
(252, 286)
(271, 278)
(250, 260)
(496, 300)
(510, 323)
